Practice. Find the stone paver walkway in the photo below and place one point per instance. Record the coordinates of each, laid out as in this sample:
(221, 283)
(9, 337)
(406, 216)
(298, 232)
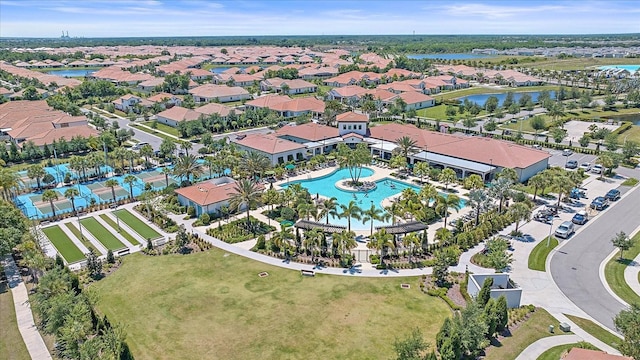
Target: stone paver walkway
(537, 348)
(35, 345)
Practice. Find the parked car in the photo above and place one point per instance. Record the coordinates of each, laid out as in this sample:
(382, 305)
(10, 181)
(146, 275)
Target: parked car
(537, 147)
(600, 203)
(580, 218)
(571, 164)
(596, 169)
(567, 152)
(565, 230)
(139, 145)
(585, 166)
(613, 195)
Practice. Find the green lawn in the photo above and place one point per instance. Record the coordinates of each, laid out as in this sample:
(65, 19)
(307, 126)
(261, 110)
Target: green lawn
(532, 330)
(114, 225)
(164, 128)
(137, 225)
(102, 234)
(555, 352)
(632, 134)
(595, 330)
(155, 133)
(439, 112)
(214, 305)
(63, 244)
(74, 229)
(11, 344)
(525, 125)
(598, 113)
(538, 256)
(614, 273)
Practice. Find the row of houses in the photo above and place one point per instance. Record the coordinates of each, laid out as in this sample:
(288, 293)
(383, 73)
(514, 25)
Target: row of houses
(34, 121)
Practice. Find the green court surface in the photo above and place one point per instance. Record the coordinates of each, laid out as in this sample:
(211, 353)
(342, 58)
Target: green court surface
(63, 244)
(114, 225)
(137, 225)
(83, 240)
(102, 234)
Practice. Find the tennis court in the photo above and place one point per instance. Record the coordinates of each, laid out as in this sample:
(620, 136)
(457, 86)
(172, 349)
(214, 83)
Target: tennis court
(61, 205)
(104, 192)
(155, 178)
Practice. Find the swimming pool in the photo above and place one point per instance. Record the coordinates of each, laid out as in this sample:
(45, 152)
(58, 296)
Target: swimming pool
(385, 187)
(630, 68)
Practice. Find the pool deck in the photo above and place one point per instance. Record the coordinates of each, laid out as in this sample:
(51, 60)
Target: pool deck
(379, 173)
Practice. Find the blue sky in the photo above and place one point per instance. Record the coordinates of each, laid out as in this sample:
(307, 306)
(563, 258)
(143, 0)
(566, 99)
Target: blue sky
(114, 18)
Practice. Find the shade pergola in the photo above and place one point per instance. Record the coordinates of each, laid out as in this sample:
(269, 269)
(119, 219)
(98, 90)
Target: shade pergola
(404, 228)
(326, 228)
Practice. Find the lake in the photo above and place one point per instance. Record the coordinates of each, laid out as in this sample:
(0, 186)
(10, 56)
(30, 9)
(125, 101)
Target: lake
(634, 118)
(460, 56)
(218, 70)
(480, 99)
(70, 72)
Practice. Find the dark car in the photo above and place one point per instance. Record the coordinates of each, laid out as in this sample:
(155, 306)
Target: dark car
(613, 195)
(599, 203)
(571, 164)
(580, 218)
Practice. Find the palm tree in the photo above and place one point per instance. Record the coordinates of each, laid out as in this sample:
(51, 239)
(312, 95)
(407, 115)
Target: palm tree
(9, 180)
(246, 194)
(312, 241)
(146, 151)
(421, 168)
(187, 167)
(410, 241)
(96, 159)
(447, 176)
(50, 195)
(167, 171)
(186, 146)
(538, 181)
(501, 189)
(509, 174)
(371, 214)
(428, 193)
(282, 239)
(253, 162)
(79, 164)
(71, 194)
(406, 146)
(444, 203)
(444, 236)
(305, 209)
(36, 172)
(329, 207)
(473, 181)
(119, 153)
(562, 185)
(350, 211)
(607, 163)
(479, 200)
(345, 240)
(112, 183)
(130, 179)
(520, 211)
(381, 241)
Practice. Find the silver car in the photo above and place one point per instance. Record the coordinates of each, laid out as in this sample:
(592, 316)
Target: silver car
(565, 230)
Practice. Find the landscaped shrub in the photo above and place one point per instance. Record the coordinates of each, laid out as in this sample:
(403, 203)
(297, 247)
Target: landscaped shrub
(288, 213)
(238, 230)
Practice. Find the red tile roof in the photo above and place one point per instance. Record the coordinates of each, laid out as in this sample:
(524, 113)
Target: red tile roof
(268, 143)
(207, 192)
(352, 117)
(585, 354)
(475, 148)
(309, 131)
(268, 101)
(413, 97)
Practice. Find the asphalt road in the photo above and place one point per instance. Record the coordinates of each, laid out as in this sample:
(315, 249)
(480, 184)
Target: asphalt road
(575, 267)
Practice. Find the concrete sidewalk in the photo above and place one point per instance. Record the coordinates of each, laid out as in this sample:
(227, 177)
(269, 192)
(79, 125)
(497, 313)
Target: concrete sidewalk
(537, 348)
(631, 275)
(32, 339)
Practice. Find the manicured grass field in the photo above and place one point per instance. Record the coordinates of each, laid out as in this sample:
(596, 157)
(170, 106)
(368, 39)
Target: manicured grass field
(102, 234)
(124, 234)
(598, 113)
(614, 273)
(63, 244)
(532, 330)
(82, 239)
(525, 125)
(155, 133)
(164, 128)
(597, 331)
(11, 344)
(555, 352)
(214, 305)
(538, 256)
(137, 225)
(439, 112)
(632, 134)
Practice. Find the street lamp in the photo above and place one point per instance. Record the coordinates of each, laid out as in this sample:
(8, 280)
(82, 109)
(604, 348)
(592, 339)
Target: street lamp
(550, 230)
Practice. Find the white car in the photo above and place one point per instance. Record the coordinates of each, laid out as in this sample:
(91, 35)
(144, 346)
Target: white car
(585, 166)
(567, 152)
(597, 169)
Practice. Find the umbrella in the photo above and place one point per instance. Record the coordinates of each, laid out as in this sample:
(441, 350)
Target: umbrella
(289, 166)
(269, 172)
(330, 157)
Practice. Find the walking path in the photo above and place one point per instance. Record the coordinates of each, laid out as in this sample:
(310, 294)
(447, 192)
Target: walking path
(631, 275)
(32, 339)
(537, 348)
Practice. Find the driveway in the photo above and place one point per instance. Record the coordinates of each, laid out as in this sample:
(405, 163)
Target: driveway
(575, 266)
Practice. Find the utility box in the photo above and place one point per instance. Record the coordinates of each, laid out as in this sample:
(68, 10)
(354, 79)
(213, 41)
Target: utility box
(565, 327)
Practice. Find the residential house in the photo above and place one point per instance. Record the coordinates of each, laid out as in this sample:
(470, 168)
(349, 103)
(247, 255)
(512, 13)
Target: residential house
(220, 93)
(347, 93)
(295, 86)
(177, 114)
(277, 150)
(128, 102)
(166, 100)
(208, 197)
(352, 122)
(416, 100)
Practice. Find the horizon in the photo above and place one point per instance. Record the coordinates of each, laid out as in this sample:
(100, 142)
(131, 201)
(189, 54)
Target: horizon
(200, 18)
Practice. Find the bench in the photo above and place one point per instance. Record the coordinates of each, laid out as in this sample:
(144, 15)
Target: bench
(308, 273)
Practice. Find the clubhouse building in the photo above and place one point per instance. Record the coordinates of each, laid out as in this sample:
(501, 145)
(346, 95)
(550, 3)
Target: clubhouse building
(465, 154)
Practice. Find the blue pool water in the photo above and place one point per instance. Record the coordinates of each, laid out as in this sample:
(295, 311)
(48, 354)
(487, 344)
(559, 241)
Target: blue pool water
(385, 188)
(631, 68)
(459, 56)
(480, 99)
(71, 73)
(221, 69)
